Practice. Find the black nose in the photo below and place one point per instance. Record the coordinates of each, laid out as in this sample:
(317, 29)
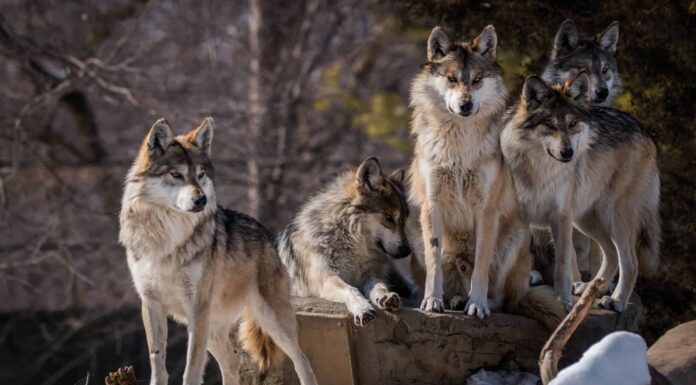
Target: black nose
(465, 108)
(602, 94)
(567, 154)
(403, 251)
(199, 202)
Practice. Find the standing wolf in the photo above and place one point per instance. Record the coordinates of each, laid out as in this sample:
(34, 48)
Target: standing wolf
(569, 55)
(590, 167)
(339, 247)
(462, 189)
(201, 264)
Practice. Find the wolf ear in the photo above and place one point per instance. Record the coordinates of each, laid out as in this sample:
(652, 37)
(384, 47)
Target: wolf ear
(534, 92)
(486, 43)
(609, 38)
(566, 39)
(202, 136)
(438, 44)
(577, 88)
(398, 177)
(159, 138)
(369, 176)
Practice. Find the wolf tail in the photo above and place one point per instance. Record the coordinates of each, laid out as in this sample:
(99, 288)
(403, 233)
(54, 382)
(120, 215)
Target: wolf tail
(260, 346)
(648, 242)
(540, 303)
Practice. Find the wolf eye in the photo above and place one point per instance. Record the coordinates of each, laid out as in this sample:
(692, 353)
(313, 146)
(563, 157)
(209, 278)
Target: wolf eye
(452, 79)
(605, 70)
(572, 124)
(476, 80)
(201, 175)
(176, 175)
(551, 127)
(389, 219)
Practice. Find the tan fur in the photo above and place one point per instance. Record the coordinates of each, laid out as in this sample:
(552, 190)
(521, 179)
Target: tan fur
(470, 236)
(260, 346)
(205, 266)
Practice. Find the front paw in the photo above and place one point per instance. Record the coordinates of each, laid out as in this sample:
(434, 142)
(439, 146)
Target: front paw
(390, 302)
(611, 303)
(432, 304)
(478, 307)
(364, 317)
(535, 278)
(457, 302)
(580, 287)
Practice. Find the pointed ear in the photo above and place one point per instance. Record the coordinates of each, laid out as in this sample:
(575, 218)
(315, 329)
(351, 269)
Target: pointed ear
(159, 138)
(609, 38)
(202, 136)
(438, 44)
(577, 88)
(486, 43)
(369, 176)
(534, 92)
(398, 177)
(566, 39)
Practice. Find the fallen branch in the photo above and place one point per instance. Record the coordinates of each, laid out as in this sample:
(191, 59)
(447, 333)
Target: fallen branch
(553, 349)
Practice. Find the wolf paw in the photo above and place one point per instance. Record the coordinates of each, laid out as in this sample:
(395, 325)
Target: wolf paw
(535, 278)
(390, 302)
(457, 302)
(611, 303)
(432, 304)
(580, 287)
(478, 308)
(362, 319)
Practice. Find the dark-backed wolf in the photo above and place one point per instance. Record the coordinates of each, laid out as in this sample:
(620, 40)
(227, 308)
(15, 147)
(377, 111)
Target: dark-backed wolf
(204, 265)
(472, 241)
(341, 244)
(592, 168)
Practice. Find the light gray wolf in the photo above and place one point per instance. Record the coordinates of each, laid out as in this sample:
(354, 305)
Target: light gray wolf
(569, 55)
(589, 167)
(472, 241)
(596, 54)
(205, 266)
(341, 244)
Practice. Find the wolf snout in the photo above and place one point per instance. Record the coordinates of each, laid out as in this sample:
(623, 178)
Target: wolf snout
(567, 154)
(601, 95)
(465, 108)
(199, 203)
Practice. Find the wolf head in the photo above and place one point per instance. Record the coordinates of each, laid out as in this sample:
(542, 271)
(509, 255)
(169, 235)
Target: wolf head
(462, 78)
(596, 54)
(176, 172)
(556, 118)
(383, 208)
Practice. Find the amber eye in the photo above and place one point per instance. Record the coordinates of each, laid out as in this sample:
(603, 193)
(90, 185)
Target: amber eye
(389, 219)
(452, 79)
(476, 80)
(176, 175)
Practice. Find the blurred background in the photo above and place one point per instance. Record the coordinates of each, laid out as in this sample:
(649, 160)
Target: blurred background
(299, 90)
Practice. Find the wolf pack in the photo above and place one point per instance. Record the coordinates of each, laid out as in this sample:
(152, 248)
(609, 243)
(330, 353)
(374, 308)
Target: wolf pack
(491, 183)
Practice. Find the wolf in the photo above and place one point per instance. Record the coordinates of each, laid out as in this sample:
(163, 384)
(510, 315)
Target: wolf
(204, 265)
(596, 54)
(341, 244)
(471, 234)
(568, 55)
(569, 160)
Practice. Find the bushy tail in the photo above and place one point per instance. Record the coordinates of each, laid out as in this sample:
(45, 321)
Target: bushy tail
(648, 243)
(260, 346)
(540, 303)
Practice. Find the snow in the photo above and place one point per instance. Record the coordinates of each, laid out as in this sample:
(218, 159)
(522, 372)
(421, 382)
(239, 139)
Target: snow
(618, 359)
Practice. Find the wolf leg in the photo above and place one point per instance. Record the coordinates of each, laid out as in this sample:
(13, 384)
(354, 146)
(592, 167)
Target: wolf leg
(335, 289)
(155, 320)
(562, 231)
(220, 346)
(433, 234)
(628, 274)
(486, 234)
(277, 319)
(380, 295)
(196, 353)
(610, 257)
